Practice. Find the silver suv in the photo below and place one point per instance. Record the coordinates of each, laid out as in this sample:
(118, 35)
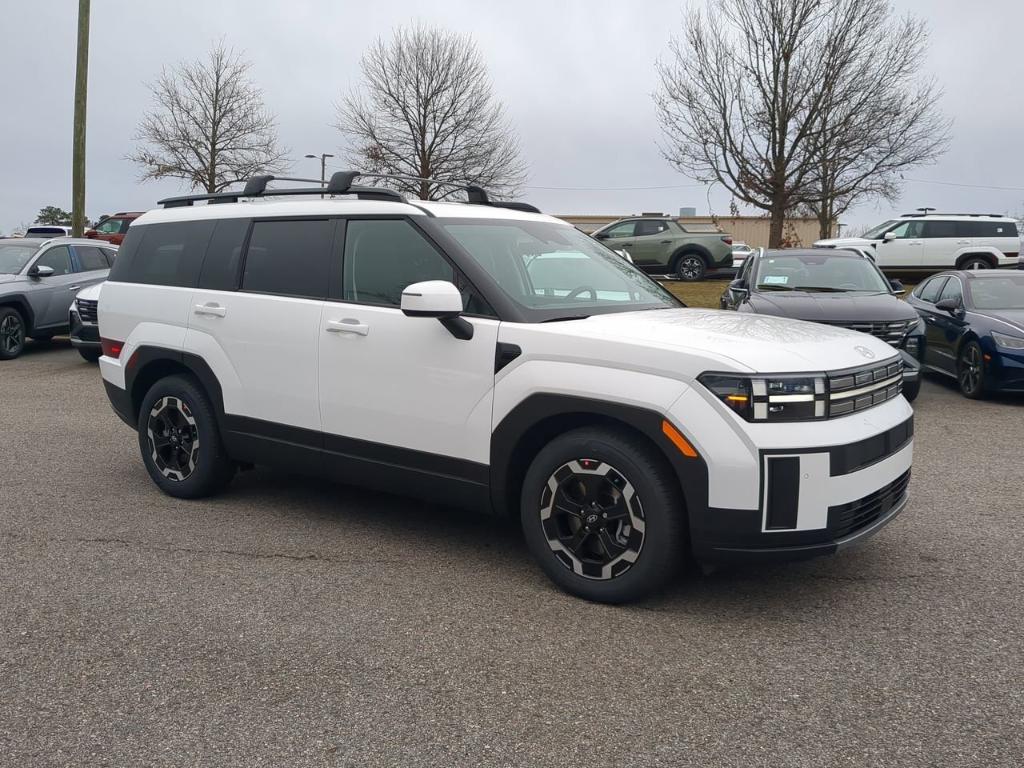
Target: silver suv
(38, 282)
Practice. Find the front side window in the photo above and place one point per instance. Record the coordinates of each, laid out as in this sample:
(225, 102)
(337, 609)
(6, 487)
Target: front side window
(907, 230)
(1002, 292)
(385, 256)
(877, 232)
(625, 229)
(14, 257)
(819, 272)
(951, 290)
(289, 258)
(109, 226)
(555, 271)
(930, 290)
(58, 258)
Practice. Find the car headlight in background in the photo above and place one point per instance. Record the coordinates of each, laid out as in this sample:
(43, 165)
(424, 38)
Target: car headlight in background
(770, 398)
(1007, 342)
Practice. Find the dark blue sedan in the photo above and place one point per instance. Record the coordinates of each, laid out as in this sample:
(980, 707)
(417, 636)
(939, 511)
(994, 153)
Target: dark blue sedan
(975, 328)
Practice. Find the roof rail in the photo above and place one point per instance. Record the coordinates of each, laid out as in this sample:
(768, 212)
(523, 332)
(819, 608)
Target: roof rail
(340, 183)
(936, 213)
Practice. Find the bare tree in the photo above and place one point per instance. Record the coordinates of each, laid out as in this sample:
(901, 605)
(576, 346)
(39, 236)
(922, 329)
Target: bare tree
(766, 97)
(426, 109)
(208, 126)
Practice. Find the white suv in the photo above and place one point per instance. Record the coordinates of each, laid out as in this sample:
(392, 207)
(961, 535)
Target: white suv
(935, 241)
(484, 355)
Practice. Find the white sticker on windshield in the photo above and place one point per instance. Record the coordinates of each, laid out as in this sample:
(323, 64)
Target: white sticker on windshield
(775, 280)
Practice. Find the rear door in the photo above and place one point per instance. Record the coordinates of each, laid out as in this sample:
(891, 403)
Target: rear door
(93, 266)
(905, 250)
(943, 240)
(254, 319)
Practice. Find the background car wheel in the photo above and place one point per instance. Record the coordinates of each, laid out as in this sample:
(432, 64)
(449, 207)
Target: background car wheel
(42, 338)
(975, 262)
(970, 370)
(690, 267)
(180, 440)
(12, 333)
(602, 515)
(90, 355)
(912, 390)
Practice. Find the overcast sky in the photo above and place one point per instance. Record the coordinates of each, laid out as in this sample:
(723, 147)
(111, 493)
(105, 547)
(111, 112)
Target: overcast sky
(575, 75)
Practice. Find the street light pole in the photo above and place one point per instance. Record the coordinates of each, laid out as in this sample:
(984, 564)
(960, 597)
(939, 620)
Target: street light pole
(323, 167)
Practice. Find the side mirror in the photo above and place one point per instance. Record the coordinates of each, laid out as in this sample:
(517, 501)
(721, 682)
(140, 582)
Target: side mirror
(949, 305)
(897, 287)
(40, 271)
(739, 286)
(601, 236)
(889, 236)
(438, 299)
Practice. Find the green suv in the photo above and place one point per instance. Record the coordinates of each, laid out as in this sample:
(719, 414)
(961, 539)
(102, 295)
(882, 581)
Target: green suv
(664, 246)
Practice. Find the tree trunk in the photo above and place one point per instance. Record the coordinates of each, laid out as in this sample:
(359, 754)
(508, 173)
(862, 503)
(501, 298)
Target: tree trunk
(778, 221)
(78, 131)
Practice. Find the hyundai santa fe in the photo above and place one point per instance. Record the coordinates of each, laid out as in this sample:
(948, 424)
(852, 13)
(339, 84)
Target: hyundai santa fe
(485, 355)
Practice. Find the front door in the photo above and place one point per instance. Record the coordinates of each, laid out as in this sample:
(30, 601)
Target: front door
(402, 400)
(905, 250)
(651, 243)
(52, 296)
(945, 328)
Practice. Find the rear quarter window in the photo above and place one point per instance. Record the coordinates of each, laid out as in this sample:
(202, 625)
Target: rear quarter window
(169, 254)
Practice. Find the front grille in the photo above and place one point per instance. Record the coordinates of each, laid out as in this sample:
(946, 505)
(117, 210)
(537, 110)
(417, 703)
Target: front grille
(846, 519)
(859, 388)
(890, 332)
(87, 310)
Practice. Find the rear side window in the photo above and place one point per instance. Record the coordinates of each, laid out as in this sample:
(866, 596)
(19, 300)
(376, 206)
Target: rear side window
(168, 254)
(289, 258)
(109, 255)
(224, 255)
(384, 257)
(644, 228)
(935, 229)
(90, 258)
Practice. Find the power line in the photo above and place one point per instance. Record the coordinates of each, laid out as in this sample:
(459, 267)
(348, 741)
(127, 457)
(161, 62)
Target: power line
(613, 189)
(968, 186)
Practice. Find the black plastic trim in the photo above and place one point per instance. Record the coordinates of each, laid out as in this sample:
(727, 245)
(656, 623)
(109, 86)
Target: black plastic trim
(846, 459)
(783, 492)
(505, 353)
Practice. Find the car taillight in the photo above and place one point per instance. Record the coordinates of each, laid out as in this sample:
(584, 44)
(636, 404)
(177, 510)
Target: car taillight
(727, 240)
(111, 348)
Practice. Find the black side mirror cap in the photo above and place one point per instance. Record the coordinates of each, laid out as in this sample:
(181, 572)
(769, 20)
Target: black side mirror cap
(897, 287)
(739, 286)
(948, 305)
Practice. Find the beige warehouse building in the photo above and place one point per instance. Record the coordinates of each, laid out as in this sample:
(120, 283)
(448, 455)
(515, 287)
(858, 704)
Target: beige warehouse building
(752, 230)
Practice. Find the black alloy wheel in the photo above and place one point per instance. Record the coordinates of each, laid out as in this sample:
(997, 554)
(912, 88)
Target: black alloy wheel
(975, 263)
(173, 438)
(970, 370)
(12, 333)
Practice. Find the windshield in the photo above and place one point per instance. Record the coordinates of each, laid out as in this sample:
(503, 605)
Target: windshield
(14, 257)
(819, 272)
(998, 292)
(555, 269)
(881, 229)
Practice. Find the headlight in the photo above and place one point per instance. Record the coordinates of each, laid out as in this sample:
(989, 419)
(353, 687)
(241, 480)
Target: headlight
(770, 398)
(1007, 342)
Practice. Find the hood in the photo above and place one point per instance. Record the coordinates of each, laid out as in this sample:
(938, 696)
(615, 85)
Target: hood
(90, 292)
(707, 340)
(832, 307)
(841, 242)
(1013, 317)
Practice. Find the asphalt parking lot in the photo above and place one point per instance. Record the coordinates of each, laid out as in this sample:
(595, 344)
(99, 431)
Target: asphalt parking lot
(295, 622)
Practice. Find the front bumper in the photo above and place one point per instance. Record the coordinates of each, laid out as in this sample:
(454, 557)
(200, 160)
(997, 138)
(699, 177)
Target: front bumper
(83, 335)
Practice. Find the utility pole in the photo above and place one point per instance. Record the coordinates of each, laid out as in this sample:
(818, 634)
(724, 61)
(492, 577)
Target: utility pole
(78, 142)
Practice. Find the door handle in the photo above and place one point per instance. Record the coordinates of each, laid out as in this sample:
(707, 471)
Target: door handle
(963, 242)
(214, 310)
(665, 242)
(348, 325)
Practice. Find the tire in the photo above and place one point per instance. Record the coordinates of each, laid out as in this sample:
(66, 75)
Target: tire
(12, 333)
(970, 370)
(975, 262)
(600, 471)
(911, 391)
(90, 355)
(689, 267)
(180, 440)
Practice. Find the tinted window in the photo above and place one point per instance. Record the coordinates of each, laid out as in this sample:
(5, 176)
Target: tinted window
(930, 290)
(650, 228)
(90, 258)
(935, 229)
(58, 258)
(384, 257)
(951, 290)
(163, 254)
(109, 255)
(998, 229)
(289, 258)
(224, 255)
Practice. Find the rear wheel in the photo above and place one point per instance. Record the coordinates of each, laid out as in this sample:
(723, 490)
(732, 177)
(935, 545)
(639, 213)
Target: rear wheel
(90, 355)
(970, 370)
(12, 333)
(180, 440)
(601, 513)
(690, 267)
(975, 262)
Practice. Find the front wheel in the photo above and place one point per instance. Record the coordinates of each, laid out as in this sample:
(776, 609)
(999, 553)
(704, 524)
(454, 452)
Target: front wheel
(970, 371)
(602, 515)
(180, 440)
(690, 268)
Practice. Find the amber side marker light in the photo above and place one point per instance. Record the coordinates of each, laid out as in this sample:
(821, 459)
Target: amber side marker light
(678, 440)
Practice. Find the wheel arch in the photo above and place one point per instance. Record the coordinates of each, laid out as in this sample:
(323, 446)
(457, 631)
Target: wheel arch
(147, 365)
(688, 248)
(542, 417)
(21, 303)
(988, 256)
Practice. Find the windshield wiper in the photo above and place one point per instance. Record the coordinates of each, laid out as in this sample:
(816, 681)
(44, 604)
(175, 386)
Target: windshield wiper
(821, 289)
(771, 287)
(566, 317)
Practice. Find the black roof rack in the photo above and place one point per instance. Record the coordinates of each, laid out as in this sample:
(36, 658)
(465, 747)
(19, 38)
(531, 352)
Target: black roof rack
(936, 213)
(340, 183)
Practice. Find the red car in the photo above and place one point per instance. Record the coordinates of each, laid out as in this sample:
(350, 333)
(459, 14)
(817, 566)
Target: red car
(113, 228)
